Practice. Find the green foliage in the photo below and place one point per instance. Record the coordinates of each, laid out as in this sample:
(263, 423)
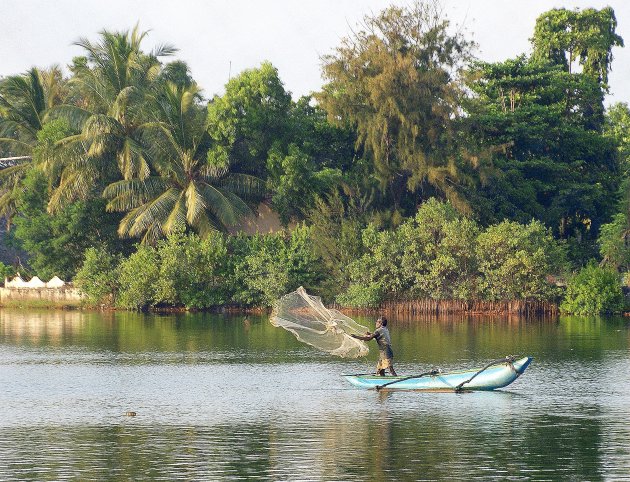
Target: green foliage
(592, 291)
(139, 277)
(185, 192)
(192, 271)
(551, 160)
(564, 36)
(613, 243)
(267, 266)
(378, 271)
(613, 239)
(336, 225)
(25, 101)
(127, 147)
(56, 242)
(256, 128)
(395, 81)
(182, 270)
(185, 270)
(6, 271)
(441, 255)
(368, 295)
(98, 277)
(246, 121)
(110, 104)
(296, 183)
(514, 261)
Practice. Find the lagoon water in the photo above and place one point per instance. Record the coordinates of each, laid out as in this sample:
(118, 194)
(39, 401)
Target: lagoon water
(228, 398)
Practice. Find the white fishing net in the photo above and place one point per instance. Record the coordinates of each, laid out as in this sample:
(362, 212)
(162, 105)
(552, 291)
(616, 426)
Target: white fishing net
(311, 322)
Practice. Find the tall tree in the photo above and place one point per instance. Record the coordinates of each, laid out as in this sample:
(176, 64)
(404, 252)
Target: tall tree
(564, 37)
(614, 239)
(112, 85)
(186, 190)
(25, 101)
(396, 81)
(555, 164)
(248, 119)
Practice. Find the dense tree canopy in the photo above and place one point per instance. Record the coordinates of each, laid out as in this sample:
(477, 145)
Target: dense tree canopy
(555, 163)
(127, 149)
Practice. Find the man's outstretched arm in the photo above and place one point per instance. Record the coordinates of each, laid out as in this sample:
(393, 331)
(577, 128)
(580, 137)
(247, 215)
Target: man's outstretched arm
(367, 337)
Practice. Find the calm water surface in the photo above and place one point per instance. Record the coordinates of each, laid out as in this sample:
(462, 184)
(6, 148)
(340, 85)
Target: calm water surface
(220, 398)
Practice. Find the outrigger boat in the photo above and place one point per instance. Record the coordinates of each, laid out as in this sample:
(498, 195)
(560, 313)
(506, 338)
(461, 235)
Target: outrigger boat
(496, 374)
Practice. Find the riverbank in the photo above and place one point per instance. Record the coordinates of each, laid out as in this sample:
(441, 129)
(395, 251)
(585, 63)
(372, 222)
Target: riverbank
(402, 308)
(438, 307)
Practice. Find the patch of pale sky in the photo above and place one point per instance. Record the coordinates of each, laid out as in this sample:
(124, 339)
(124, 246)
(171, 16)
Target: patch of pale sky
(218, 36)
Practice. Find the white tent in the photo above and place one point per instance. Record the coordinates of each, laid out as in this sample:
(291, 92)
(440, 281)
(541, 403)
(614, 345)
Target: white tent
(55, 282)
(16, 282)
(35, 282)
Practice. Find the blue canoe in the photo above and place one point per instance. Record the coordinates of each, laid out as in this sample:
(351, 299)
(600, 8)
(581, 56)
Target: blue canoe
(498, 374)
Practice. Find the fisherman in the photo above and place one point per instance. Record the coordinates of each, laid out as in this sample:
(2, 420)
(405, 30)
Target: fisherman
(386, 355)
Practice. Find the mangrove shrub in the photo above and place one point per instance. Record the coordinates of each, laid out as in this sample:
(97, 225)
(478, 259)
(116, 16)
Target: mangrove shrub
(593, 290)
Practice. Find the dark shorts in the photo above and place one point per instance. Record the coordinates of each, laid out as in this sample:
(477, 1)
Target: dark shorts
(385, 359)
(385, 354)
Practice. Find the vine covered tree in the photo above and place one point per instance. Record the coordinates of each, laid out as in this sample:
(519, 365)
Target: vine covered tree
(564, 36)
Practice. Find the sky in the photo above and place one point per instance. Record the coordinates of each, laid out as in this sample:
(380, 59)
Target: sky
(219, 38)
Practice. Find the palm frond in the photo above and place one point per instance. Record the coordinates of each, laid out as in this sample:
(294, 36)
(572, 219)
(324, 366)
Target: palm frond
(164, 50)
(16, 147)
(74, 185)
(228, 208)
(195, 204)
(76, 116)
(177, 219)
(154, 212)
(129, 194)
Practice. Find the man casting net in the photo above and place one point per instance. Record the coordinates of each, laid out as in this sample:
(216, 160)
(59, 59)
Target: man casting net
(311, 322)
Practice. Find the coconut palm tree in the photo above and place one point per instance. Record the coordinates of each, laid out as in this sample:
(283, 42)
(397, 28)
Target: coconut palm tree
(187, 192)
(113, 88)
(25, 101)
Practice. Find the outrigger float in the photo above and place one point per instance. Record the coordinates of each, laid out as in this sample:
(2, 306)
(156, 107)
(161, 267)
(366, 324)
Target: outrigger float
(496, 374)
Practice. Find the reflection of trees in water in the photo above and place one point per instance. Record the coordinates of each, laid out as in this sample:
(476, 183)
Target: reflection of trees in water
(446, 342)
(137, 332)
(386, 445)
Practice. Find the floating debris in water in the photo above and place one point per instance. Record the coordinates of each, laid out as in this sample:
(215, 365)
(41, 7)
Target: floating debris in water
(130, 414)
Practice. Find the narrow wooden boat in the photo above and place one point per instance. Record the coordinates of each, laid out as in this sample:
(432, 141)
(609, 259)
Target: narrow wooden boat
(496, 374)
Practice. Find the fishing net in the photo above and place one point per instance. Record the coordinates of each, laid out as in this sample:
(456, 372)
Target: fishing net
(311, 322)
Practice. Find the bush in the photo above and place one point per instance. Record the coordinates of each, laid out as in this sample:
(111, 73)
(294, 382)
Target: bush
(265, 267)
(593, 290)
(192, 270)
(377, 274)
(613, 245)
(362, 296)
(139, 276)
(98, 277)
(514, 261)
(439, 253)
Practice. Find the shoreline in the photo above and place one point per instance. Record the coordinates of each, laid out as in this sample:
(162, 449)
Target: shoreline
(399, 308)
